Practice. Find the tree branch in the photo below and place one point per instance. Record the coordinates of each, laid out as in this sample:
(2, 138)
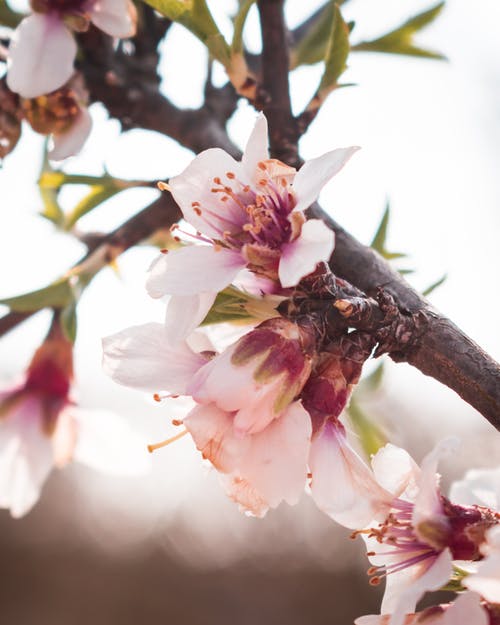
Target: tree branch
(443, 352)
(160, 214)
(273, 94)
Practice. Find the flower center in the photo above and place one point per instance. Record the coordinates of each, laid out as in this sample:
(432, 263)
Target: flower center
(398, 542)
(60, 6)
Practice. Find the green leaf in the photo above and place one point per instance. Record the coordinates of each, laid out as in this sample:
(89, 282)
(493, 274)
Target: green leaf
(311, 47)
(400, 40)
(50, 192)
(68, 321)
(57, 295)
(229, 306)
(370, 435)
(336, 55)
(97, 195)
(379, 239)
(196, 17)
(239, 24)
(435, 285)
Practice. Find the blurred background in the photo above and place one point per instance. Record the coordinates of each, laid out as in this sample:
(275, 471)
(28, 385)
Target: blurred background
(169, 546)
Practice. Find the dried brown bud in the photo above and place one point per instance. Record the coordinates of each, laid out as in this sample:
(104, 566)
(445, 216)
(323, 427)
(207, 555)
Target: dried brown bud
(10, 119)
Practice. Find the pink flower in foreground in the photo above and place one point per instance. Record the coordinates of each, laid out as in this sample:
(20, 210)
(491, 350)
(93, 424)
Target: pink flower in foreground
(248, 214)
(43, 49)
(414, 546)
(41, 428)
(465, 610)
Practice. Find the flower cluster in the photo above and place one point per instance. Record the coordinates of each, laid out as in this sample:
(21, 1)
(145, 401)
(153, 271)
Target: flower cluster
(267, 409)
(40, 65)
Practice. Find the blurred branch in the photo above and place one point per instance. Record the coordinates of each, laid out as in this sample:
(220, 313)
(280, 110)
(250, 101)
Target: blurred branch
(160, 214)
(274, 93)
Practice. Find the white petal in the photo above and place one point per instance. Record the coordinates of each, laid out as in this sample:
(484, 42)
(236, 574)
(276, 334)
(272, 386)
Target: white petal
(342, 484)
(480, 487)
(276, 461)
(466, 610)
(25, 457)
(396, 471)
(108, 444)
(41, 56)
(213, 434)
(195, 185)
(185, 313)
(115, 17)
(299, 258)
(314, 174)
(141, 357)
(428, 506)
(192, 270)
(71, 141)
(486, 579)
(257, 148)
(405, 588)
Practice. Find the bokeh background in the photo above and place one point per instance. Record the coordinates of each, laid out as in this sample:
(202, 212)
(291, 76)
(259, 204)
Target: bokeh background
(169, 547)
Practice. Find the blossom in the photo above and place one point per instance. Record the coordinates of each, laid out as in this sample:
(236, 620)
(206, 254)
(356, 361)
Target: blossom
(414, 546)
(62, 114)
(248, 214)
(43, 49)
(465, 610)
(40, 427)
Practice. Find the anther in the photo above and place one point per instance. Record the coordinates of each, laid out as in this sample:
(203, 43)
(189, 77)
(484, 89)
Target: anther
(163, 186)
(177, 422)
(197, 210)
(375, 581)
(262, 166)
(164, 251)
(230, 175)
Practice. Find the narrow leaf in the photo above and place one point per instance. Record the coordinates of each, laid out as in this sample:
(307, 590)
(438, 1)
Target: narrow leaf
(68, 321)
(400, 40)
(239, 24)
(56, 295)
(310, 46)
(379, 239)
(97, 195)
(336, 54)
(434, 285)
(370, 435)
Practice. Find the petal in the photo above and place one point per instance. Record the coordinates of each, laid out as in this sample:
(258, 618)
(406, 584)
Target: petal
(274, 467)
(466, 610)
(257, 148)
(185, 313)
(486, 579)
(192, 270)
(480, 487)
(299, 258)
(396, 471)
(342, 484)
(71, 141)
(428, 506)
(213, 434)
(115, 17)
(212, 216)
(141, 357)
(108, 444)
(25, 457)
(41, 56)
(405, 588)
(314, 174)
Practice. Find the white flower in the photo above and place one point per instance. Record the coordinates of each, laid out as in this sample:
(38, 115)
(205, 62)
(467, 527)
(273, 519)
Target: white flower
(465, 610)
(40, 427)
(43, 49)
(248, 214)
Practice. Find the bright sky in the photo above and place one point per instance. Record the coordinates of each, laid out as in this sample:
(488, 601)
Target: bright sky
(430, 134)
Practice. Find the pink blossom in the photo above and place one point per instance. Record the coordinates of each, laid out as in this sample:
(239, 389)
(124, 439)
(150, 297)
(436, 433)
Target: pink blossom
(465, 610)
(40, 428)
(43, 49)
(413, 547)
(248, 214)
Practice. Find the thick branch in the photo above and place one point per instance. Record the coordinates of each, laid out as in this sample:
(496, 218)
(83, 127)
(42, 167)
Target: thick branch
(443, 351)
(274, 92)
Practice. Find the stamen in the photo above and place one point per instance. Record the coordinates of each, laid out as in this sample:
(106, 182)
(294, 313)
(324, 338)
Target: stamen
(177, 422)
(163, 186)
(166, 442)
(230, 175)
